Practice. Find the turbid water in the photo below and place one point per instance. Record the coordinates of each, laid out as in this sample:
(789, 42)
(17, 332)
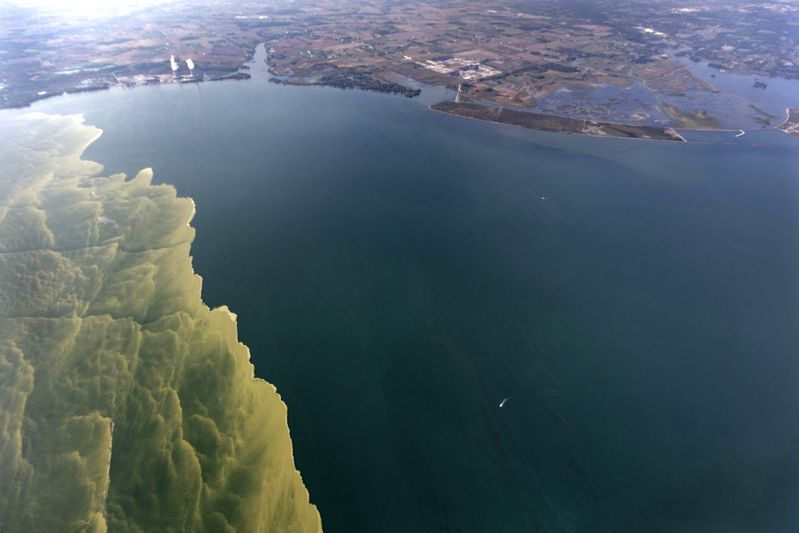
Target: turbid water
(399, 273)
(127, 404)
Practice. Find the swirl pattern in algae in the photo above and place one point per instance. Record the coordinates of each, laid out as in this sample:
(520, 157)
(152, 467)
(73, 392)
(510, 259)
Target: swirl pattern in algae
(126, 404)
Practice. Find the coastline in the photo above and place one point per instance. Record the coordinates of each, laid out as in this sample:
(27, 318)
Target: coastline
(523, 119)
(556, 124)
(359, 79)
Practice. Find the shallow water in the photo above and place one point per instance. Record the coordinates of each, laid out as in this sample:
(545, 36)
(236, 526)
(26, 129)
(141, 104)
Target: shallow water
(397, 273)
(738, 103)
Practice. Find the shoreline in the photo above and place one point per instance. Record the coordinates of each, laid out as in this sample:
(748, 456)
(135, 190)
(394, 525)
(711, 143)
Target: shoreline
(789, 126)
(556, 124)
(233, 76)
(623, 131)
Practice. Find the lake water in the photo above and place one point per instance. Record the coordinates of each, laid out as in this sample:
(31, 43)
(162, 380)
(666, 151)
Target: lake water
(399, 273)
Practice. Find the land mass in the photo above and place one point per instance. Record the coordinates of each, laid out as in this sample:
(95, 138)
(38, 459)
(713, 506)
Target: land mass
(604, 61)
(351, 78)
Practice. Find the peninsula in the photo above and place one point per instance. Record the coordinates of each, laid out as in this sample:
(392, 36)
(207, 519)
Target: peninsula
(555, 123)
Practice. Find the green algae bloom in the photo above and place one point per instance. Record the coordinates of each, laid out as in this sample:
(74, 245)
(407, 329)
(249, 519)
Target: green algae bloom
(126, 404)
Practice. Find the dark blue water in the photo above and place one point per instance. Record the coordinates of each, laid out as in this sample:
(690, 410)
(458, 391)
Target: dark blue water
(398, 273)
